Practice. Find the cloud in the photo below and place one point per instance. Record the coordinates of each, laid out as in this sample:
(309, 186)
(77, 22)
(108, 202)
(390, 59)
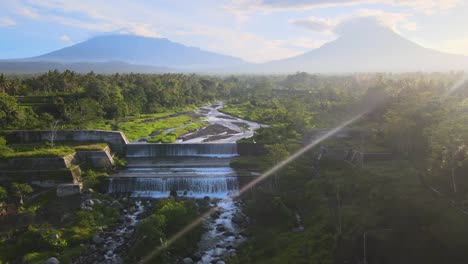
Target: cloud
(244, 9)
(316, 24)
(27, 12)
(65, 38)
(121, 16)
(416, 4)
(6, 22)
(331, 26)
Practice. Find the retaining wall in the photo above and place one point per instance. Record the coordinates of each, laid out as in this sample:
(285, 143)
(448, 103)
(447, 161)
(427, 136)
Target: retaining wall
(115, 139)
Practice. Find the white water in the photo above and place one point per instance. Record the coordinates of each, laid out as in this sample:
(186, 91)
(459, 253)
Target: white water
(196, 187)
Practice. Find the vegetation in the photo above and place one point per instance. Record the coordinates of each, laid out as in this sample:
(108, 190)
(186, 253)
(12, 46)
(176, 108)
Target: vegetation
(391, 203)
(153, 232)
(31, 150)
(409, 207)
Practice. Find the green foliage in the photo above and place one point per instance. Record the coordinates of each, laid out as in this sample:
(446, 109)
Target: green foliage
(142, 127)
(119, 162)
(90, 147)
(3, 194)
(172, 136)
(167, 219)
(94, 179)
(37, 257)
(20, 190)
(60, 149)
(32, 241)
(84, 224)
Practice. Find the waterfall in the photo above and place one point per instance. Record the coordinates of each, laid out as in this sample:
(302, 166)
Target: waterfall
(219, 187)
(193, 170)
(196, 149)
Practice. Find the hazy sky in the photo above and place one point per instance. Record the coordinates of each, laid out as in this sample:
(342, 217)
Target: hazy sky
(255, 30)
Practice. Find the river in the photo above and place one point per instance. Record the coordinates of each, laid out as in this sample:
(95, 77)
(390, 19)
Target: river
(195, 166)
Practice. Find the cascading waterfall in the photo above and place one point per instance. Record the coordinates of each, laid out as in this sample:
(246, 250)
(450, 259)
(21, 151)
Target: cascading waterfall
(197, 149)
(216, 187)
(194, 170)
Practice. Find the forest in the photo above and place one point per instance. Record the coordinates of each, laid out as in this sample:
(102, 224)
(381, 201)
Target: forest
(410, 208)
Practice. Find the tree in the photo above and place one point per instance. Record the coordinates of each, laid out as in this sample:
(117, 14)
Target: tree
(52, 134)
(9, 110)
(20, 190)
(276, 153)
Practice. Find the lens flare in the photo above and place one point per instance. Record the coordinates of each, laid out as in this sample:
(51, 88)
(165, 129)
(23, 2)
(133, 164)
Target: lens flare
(457, 85)
(260, 178)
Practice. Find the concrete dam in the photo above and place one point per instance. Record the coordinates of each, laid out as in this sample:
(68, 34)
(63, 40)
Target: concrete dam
(192, 170)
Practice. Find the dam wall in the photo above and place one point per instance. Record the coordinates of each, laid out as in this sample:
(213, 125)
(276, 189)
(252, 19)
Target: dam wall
(116, 139)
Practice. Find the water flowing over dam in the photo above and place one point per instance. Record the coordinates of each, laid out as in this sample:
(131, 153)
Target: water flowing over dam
(186, 150)
(196, 166)
(193, 170)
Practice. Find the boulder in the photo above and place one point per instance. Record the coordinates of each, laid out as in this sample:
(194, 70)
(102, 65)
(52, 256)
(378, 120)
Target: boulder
(197, 256)
(228, 233)
(187, 261)
(238, 219)
(54, 236)
(220, 262)
(51, 260)
(97, 239)
(89, 202)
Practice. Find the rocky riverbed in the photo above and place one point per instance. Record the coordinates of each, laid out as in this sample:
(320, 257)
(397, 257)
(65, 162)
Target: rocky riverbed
(224, 232)
(106, 247)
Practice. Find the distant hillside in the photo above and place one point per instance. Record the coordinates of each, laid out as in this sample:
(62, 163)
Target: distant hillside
(157, 52)
(27, 67)
(368, 47)
(365, 46)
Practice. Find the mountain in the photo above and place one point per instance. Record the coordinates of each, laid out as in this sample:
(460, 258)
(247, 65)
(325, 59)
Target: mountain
(367, 46)
(362, 46)
(158, 52)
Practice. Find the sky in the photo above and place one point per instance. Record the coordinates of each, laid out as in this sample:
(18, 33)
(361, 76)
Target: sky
(254, 30)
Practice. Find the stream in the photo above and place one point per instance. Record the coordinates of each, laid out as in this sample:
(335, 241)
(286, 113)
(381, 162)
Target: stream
(195, 166)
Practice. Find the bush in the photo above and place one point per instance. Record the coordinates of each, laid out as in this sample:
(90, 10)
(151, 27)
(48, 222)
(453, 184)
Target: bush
(94, 180)
(119, 162)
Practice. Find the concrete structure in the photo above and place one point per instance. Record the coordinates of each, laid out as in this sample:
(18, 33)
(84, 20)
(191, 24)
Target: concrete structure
(96, 158)
(67, 189)
(115, 139)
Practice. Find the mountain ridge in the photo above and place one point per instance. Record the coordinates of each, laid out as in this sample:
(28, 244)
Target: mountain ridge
(362, 47)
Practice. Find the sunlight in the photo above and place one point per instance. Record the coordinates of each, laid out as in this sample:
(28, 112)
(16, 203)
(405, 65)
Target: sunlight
(260, 178)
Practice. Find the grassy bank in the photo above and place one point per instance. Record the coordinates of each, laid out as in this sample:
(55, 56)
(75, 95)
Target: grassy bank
(60, 149)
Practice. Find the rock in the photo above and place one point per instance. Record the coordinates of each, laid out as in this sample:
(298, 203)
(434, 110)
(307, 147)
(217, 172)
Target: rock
(128, 235)
(51, 260)
(228, 233)
(125, 199)
(187, 261)
(97, 239)
(197, 256)
(238, 219)
(215, 214)
(54, 236)
(97, 201)
(221, 228)
(116, 204)
(132, 210)
(220, 262)
(86, 208)
(89, 202)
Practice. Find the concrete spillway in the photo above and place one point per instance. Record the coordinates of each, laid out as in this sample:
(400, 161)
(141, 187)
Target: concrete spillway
(193, 170)
(185, 150)
(218, 187)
